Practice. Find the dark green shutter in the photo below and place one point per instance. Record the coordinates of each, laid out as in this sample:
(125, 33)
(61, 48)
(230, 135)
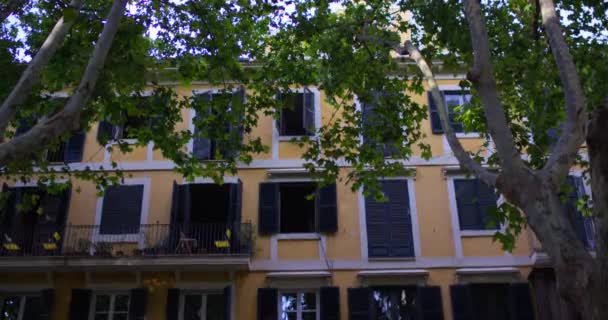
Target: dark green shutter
(268, 208)
(389, 224)
(47, 303)
(329, 308)
(202, 146)
(80, 303)
(227, 302)
(137, 304)
(172, 309)
(105, 132)
(236, 194)
(309, 112)
(428, 303)
(267, 304)
(74, 147)
(462, 302)
(434, 115)
(177, 215)
(474, 201)
(520, 302)
(328, 209)
(359, 304)
(121, 209)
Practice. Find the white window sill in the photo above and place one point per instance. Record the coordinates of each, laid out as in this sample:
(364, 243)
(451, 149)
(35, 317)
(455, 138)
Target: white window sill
(127, 141)
(468, 135)
(298, 236)
(478, 233)
(289, 138)
(388, 259)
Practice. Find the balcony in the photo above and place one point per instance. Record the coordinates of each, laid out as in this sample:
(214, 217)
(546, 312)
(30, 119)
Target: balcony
(152, 245)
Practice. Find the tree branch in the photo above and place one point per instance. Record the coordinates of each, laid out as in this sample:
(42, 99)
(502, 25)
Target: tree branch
(37, 138)
(574, 131)
(31, 75)
(463, 157)
(483, 80)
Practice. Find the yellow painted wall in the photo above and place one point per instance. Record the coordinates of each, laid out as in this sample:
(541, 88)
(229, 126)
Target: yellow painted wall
(298, 249)
(480, 247)
(432, 208)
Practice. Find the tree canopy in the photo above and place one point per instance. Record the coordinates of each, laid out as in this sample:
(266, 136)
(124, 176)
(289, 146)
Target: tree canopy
(535, 69)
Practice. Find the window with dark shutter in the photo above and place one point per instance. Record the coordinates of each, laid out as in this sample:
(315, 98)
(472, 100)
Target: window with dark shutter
(205, 147)
(475, 200)
(520, 302)
(384, 130)
(583, 225)
(267, 304)
(172, 309)
(327, 209)
(79, 304)
(330, 303)
(298, 113)
(429, 303)
(137, 304)
(47, 304)
(389, 225)
(227, 296)
(359, 304)
(268, 208)
(121, 209)
(68, 151)
(462, 302)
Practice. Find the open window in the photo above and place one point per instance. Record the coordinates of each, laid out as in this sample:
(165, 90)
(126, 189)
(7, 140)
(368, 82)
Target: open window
(128, 126)
(453, 99)
(297, 207)
(297, 116)
(206, 218)
(32, 221)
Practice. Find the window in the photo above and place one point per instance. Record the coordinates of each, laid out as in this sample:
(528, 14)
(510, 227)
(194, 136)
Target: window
(497, 301)
(298, 305)
(202, 306)
(205, 145)
(110, 307)
(452, 99)
(297, 209)
(583, 225)
(475, 201)
(129, 124)
(381, 134)
(394, 303)
(298, 114)
(389, 225)
(121, 209)
(21, 307)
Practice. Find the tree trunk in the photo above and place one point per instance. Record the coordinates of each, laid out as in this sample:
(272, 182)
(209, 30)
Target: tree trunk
(597, 142)
(577, 273)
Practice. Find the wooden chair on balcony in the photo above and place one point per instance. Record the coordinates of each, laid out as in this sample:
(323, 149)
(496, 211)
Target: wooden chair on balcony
(185, 244)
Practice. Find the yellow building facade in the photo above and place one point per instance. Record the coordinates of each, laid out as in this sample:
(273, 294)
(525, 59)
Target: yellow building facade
(159, 247)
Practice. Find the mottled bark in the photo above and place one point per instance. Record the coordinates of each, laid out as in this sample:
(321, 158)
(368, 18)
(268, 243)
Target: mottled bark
(597, 142)
(43, 133)
(31, 75)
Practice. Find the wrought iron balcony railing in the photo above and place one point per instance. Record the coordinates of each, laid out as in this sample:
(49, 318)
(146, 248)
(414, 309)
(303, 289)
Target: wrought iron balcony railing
(120, 241)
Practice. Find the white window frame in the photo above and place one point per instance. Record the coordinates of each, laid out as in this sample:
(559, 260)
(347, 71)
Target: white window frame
(143, 218)
(456, 232)
(22, 301)
(277, 138)
(203, 294)
(411, 181)
(461, 135)
(112, 295)
(298, 292)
